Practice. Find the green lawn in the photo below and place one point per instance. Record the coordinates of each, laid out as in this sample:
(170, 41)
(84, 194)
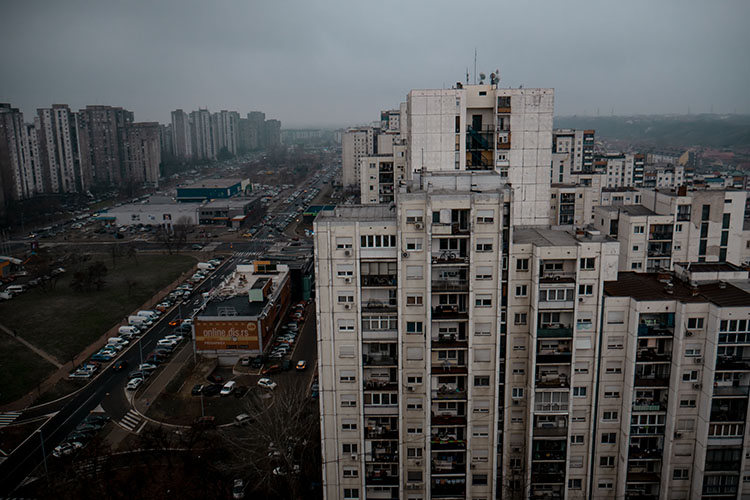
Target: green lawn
(21, 369)
(63, 322)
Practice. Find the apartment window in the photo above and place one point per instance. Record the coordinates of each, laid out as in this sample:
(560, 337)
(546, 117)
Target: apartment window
(519, 369)
(414, 299)
(344, 242)
(351, 493)
(348, 400)
(695, 323)
(581, 367)
(413, 244)
(609, 438)
(522, 265)
(484, 245)
(482, 329)
(378, 241)
(482, 355)
(579, 392)
(413, 404)
(688, 402)
(481, 406)
(693, 351)
(414, 430)
(609, 416)
(576, 462)
(606, 485)
(413, 216)
(678, 228)
(414, 272)
(350, 472)
(414, 379)
(690, 376)
(480, 455)
(615, 342)
(347, 375)
(636, 265)
(576, 439)
(517, 393)
(680, 474)
(705, 212)
(346, 298)
(348, 425)
(483, 300)
(346, 325)
(414, 353)
(521, 290)
(588, 263)
(635, 248)
(607, 461)
(347, 351)
(484, 273)
(585, 289)
(479, 479)
(726, 220)
(612, 392)
(704, 229)
(481, 381)
(637, 229)
(519, 318)
(345, 271)
(485, 216)
(414, 452)
(613, 367)
(686, 425)
(347, 448)
(615, 317)
(415, 327)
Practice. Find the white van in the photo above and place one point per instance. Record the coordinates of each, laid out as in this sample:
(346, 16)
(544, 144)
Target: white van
(149, 314)
(117, 340)
(131, 330)
(140, 321)
(15, 289)
(205, 266)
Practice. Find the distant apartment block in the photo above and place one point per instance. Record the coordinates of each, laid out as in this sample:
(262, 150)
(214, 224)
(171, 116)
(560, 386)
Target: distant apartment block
(181, 137)
(141, 153)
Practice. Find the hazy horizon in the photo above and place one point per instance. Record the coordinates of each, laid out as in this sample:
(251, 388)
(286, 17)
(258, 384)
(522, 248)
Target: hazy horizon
(334, 64)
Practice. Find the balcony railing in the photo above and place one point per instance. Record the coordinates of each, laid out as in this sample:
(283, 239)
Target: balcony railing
(373, 360)
(561, 382)
(644, 453)
(551, 407)
(558, 357)
(383, 457)
(448, 467)
(547, 478)
(381, 433)
(562, 332)
(448, 490)
(380, 385)
(447, 443)
(651, 381)
(643, 477)
(374, 305)
(651, 406)
(379, 280)
(439, 258)
(450, 340)
(449, 419)
(376, 479)
(449, 312)
(450, 285)
(449, 393)
(649, 355)
(439, 368)
(731, 390)
(732, 363)
(660, 236)
(683, 216)
(549, 455)
(550, 431)
(655, 331)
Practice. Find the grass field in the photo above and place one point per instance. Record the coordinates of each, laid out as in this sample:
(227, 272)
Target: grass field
(63, 322)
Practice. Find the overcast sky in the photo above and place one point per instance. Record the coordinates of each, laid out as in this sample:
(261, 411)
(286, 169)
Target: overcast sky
(336, 63)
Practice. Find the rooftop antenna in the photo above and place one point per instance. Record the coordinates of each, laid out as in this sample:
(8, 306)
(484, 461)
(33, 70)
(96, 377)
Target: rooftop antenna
(467, 76)
(475, 65)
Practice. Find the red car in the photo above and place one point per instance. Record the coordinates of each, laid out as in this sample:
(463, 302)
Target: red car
(271, 369)
(175, 322)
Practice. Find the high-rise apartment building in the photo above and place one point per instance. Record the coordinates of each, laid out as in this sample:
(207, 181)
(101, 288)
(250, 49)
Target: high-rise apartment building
(272, 133)
(141, 153)
(202, 136)
(355, 144)
(99, 137)
(17, 179)
(59, 151)
(181, 138)
(572, 153)
(228, 129)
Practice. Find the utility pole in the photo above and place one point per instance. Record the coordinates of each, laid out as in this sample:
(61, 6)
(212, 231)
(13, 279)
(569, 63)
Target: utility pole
(44, 453)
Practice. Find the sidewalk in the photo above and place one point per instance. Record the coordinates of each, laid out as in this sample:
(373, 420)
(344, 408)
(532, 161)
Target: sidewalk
(25, 342)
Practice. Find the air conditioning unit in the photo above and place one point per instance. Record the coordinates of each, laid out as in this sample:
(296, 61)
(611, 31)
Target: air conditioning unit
(516, 449)
(347, 280)
(347, 252)
(413, 486)
(688, 333)
(347, 306)
(419, 225)
(354, 456)
(697, 386)
(580, 299)
(410, 388)
(405, 255)
(472, 466)
(677, 434)
(516, 402)
(418, 462)
(698, 360)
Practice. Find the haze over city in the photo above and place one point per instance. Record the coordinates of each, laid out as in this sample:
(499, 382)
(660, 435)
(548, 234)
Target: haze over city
(334, 63)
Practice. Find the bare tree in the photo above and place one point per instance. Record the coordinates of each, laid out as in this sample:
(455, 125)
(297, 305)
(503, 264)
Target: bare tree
(279, 452)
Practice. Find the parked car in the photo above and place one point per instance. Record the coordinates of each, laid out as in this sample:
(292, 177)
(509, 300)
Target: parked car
(215, 378)
(228, 388)
(134, 384)
(238, 489)
(245, 361)
(197, 389)
(243, 418)
(211, 390)
(66, 448)
(267, 383)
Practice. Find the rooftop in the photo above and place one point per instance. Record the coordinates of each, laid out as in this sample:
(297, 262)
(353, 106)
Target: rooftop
(634, 210)
(233, 296)
(358, 212)
(211, 183)
(653, 286)
(543, 237)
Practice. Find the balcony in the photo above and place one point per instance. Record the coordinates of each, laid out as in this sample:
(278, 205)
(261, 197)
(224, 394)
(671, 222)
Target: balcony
(503, 140)
(651, 355)
(449, 258)
(449, 419)
(452, 228)
(651, 381)
(655, 331)
(379, 335)
(551, 431)
(448, 467)
(447, 443)
(548, 478)
(553, 382)
(449, 312)
(381, 433)
(549, 455)
(643, 477)
(556, 305)
(450, 285)
(449, 340)
(449, 392)
(731, 390)
(649, 406)
(380, 385)
(374, 280)
(378, 478)
(683, 216)
(562, 332)
(375, 305)
(554, 358)
(383, 457)
(441, 488)
(660, 236)
(644, 453)
(557, 277)
(379, 360)
(449, 369)
(732, 363)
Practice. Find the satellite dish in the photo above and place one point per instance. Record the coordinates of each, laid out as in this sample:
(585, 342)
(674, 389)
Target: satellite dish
(482, 76)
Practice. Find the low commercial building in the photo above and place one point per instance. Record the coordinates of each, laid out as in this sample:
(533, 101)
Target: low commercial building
(243, 312)
(159, 213)
(232, 213)
(211, 189)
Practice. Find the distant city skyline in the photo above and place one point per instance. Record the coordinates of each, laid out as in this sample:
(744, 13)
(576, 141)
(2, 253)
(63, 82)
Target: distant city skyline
(333, 64)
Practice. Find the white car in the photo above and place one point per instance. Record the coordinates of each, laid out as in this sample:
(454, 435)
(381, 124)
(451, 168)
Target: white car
(267, 383)
(134, 384)
(228, 388)
(166, 342)
(175, 338)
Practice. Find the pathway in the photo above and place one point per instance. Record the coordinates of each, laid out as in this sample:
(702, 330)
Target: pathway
(25, 342)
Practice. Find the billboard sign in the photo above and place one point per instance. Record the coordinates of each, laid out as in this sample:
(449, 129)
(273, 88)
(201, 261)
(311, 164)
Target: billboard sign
(223, 335)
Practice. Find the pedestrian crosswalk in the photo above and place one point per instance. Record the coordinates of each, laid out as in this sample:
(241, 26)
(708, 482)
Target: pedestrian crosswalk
(131, 421)
(8, 418)
(246, 255)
